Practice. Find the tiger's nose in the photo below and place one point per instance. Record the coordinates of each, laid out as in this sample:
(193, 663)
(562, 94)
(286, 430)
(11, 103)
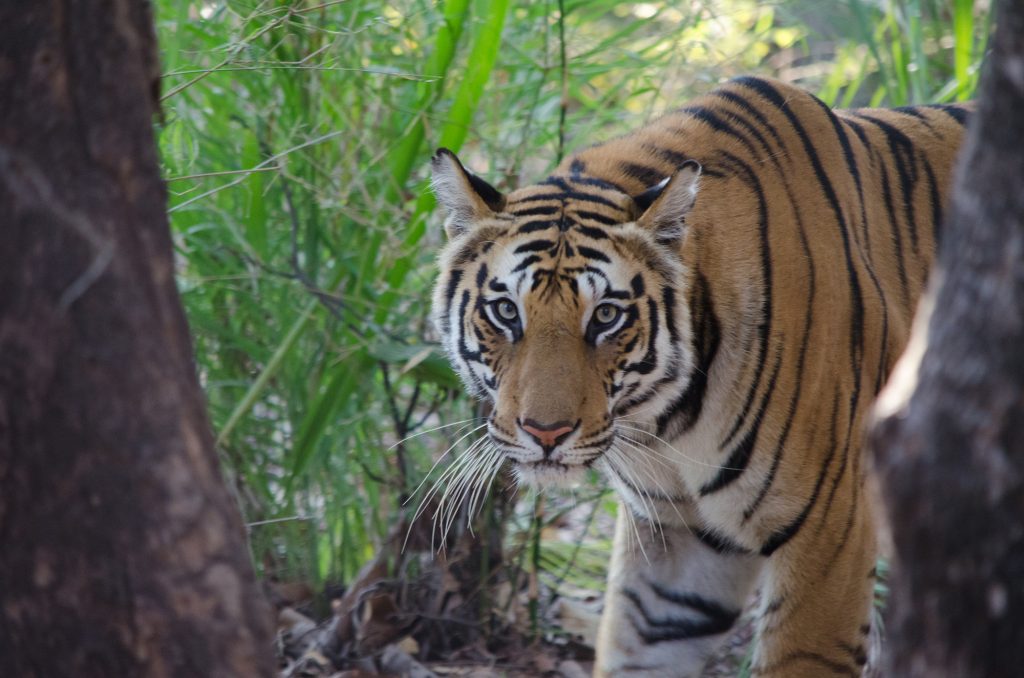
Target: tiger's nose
(548, 435)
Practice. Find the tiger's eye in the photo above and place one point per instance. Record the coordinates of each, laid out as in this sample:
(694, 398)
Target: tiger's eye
(606, 314)
(506, 310)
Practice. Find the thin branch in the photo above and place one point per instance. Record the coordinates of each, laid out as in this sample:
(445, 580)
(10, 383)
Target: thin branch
(564, 105)
(203, 175)
(438, 399)
(243, 43)
(333, 305)
(399, 430)
(302, 67)
(281, 520)
(269, 161)
(384, 482)
(412, 404)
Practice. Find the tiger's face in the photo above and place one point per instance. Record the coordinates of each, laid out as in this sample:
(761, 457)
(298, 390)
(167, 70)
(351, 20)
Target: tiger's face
(563, 305)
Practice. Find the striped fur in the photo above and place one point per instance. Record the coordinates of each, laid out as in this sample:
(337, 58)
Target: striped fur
(759, 306)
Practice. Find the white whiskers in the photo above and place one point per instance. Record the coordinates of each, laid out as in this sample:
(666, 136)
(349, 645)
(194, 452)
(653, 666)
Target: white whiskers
(463, 483)
(664, 442)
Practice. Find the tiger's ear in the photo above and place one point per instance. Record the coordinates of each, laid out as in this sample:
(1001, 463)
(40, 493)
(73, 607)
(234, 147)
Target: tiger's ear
(466, 196)
(664, 206)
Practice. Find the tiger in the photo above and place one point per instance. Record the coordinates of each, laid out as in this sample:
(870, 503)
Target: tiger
(703, 311)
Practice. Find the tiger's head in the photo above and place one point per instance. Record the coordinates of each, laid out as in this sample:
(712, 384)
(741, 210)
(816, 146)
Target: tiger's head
(563, 304)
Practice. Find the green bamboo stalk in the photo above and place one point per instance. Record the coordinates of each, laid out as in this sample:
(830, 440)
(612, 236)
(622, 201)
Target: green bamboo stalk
(918, 76)
(260, 384)
(403, 157)
(481, 61)
(963, 34)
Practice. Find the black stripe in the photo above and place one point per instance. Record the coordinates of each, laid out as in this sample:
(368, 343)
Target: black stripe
(914, 112)
(684, 411)
(546, 210)
(576, 195)
(666, 629)
(894, 229)
(591, 253)
(637, 285)
(618, 294)
(464, 352)
(706, 607)
(764, 327)
(738, 460)
(794, 402)
(576, 169)
(958, 113)
(526, 263)
(449, 296)
(719, 125)
(851, 164)
(591, 232)
(766, 90)
(667, 154)
(598, 217)
(902, 149)
(534, 226)
(936, 200)
(754, 112)
(571, 192)
(780, 537)
(858, 129)
(865, 252)
(857, 653)
(716, 542)
(756, 133)
(647, 364)
(534, 246)
(867, 259)
(668, 303)
(648, 176)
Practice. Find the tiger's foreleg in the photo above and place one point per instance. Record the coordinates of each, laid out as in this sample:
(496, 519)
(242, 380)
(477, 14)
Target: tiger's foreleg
(817, 595)
(671, 600)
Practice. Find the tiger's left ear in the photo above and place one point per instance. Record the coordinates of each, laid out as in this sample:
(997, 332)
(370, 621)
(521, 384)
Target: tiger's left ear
(665, 206)
(466, 196)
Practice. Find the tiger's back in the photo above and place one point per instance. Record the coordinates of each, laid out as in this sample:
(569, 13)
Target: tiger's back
(775, 296)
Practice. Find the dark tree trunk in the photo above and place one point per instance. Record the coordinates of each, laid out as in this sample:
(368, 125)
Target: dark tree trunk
(121, 553)
(952, 457)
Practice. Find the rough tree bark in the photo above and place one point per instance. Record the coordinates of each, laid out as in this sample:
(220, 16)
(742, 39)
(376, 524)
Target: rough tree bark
(121, 553)
(952, 457)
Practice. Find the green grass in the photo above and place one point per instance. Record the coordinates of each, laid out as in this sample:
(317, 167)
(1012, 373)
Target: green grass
(295, 143)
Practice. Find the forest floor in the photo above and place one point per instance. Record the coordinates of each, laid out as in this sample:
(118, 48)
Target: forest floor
(509, 600)
(513, 656)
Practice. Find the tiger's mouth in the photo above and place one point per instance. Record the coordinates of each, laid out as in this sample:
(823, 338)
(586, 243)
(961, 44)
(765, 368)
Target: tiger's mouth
(545, 473)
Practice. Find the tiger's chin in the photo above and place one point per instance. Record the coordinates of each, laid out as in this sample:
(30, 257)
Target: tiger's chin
(549, 474)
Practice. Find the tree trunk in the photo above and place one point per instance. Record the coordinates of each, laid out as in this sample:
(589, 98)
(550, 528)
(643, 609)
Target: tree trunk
(952, 457)
(121, 553)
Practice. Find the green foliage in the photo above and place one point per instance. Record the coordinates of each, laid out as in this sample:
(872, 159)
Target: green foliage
(909, 52)
(295, 142)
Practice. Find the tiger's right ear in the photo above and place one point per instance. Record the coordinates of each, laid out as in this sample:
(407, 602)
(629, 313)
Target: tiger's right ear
(666, 204)
(466, 196)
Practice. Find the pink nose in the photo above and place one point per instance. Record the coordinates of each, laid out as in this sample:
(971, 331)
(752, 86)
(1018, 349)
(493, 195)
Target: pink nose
(548, 435)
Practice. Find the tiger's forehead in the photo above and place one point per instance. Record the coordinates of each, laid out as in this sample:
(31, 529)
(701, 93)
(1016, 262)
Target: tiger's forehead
(556, 258)
(584, 201)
